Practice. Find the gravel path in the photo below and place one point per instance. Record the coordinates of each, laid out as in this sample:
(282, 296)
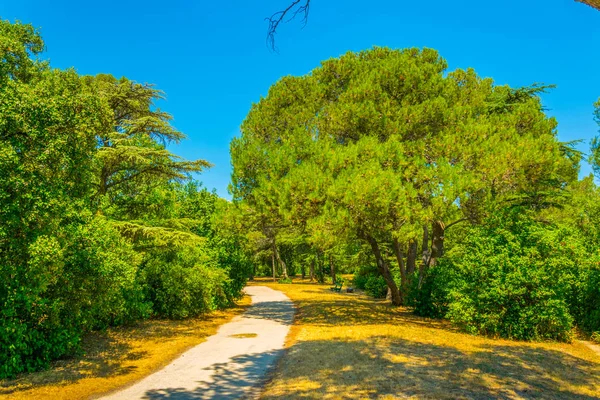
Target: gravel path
(231, 364)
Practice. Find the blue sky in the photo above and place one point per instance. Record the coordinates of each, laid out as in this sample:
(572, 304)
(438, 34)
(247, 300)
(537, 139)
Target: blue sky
(211, 59)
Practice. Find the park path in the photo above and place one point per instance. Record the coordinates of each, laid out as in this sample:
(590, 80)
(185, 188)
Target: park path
(231, 364)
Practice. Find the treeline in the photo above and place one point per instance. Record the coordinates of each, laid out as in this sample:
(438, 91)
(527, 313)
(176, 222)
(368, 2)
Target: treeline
(441, 189)
(100, 224)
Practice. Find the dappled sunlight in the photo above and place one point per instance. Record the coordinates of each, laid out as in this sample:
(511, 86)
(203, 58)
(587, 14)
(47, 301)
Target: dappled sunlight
(351, 346)
(229, 380)
(117, 357)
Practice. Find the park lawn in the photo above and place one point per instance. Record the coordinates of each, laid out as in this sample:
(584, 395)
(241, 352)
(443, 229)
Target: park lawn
(118, 357)
(352, 346)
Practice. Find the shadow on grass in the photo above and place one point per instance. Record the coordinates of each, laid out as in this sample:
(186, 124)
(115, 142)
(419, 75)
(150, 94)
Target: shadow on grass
(399, 368)
(355, 309)
(102, 358)
(110, 354)
(236, 379)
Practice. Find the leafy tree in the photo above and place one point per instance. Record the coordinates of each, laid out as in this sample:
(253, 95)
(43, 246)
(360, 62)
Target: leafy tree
(50, 273)
(384, 146)
(96, 225)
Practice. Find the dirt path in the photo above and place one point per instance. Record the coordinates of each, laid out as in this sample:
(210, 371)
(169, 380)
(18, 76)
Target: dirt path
(232, 363)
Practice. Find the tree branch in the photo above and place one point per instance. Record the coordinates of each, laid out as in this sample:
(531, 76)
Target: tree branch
(592, 3)
(455, 222)
(294, 10)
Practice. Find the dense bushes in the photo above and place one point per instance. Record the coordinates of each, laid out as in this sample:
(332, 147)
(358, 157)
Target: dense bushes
(368, 279)
(514, 278)
(96, 227)
(75, 280)
(184, 283)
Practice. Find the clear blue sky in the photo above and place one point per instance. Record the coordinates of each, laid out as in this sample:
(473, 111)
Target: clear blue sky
(211, 59)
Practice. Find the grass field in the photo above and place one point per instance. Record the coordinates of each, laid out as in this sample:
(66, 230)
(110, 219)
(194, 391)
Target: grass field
(351, 346)
(116, 358)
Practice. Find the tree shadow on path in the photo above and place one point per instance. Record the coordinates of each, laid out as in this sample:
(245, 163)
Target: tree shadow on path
(238, 378)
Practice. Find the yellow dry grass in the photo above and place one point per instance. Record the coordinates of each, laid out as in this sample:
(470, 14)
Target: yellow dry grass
(350, 346)
(118, 357)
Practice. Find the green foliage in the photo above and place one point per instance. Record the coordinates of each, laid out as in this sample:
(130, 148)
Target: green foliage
(430, 298)
(97, 227)
(374, 146)
(362, 274)
(19, 45)
(285, 280)
(376, 286)
(80, 278)
(512, 278)
(184, 283)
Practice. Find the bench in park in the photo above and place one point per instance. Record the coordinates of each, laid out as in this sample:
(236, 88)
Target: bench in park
(337, 287)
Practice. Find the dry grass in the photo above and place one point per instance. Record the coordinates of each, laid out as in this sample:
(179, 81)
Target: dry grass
(117, 358)
(350, 346)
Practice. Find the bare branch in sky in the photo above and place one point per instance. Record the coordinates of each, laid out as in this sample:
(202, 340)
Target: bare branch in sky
(296, 8)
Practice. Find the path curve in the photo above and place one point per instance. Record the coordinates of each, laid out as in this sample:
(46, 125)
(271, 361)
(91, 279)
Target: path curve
(225, 366)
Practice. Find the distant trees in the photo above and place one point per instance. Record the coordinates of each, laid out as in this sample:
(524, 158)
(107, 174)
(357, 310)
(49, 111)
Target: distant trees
(100, 224)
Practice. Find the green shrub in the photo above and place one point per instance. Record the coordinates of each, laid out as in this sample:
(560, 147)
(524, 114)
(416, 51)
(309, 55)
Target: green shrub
(511, 278)
(80, 279)
(184, 282)
(431, 299)
(285, 280)
(359, 281)
(362, 276)
(376, 286)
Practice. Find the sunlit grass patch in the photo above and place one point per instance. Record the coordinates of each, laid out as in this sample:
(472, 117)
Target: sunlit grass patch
(118, 357)
(243, 335)
(351, 346)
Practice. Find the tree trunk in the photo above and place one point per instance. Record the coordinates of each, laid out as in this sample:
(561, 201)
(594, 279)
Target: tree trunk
(401, 265)
(332, 269)
(321, 265)
(281, 262)
(426, 255)
(411, 258)
(437, 242)
(312, 270)
(384, 270)
(273, 263)
(303, 271)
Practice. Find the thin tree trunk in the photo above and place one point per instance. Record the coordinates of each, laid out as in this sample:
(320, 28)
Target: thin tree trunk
(426, 255)
(332, 269)
(281, 262)
(384, 270)
(321, 263)
(437, 242)
(273, 262)
(402, 266)
(411, 258)
(312, 270)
